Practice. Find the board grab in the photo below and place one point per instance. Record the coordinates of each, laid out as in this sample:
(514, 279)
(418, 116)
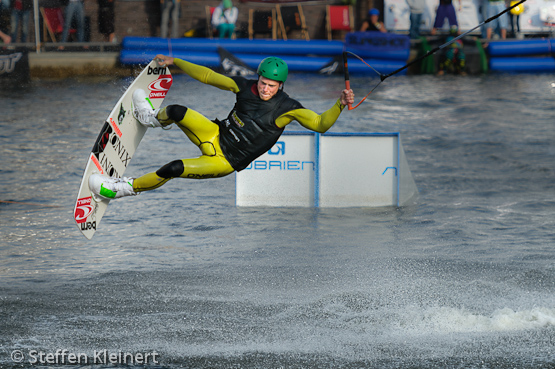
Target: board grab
(116, 143)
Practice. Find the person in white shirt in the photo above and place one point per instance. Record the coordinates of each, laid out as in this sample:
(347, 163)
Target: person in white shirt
(417, 8)
(224, 18)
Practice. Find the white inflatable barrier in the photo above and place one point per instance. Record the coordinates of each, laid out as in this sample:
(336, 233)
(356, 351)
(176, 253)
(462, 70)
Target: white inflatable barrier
(329, 170)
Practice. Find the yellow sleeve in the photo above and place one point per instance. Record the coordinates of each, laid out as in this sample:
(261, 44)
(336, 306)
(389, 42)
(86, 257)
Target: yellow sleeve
(310, 120)
(206, 75)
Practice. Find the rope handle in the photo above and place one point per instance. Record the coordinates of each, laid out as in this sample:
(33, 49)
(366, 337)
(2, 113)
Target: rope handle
(347, 81)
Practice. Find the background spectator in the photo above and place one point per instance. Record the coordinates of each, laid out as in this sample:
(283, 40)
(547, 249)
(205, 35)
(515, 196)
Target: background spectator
(445, 10)
(224, 18)
(452, 59)
(495, 7)
(417, 8)
(21, 11)
(372, 23)
(106, 19)
(4, 20)
(170, 7)
(515, 19)
(75, 9)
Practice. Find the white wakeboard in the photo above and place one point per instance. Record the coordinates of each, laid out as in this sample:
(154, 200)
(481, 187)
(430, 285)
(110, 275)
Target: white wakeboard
(117, 142)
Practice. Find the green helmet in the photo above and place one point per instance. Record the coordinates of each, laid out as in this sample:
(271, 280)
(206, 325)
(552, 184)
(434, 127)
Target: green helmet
(273, 68)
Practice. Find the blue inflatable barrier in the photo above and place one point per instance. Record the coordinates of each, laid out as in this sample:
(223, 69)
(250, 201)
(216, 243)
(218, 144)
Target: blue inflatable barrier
(296, 63)
(374, 45)
(522, 56)
(134, 57)
(378, 45)
(385, 52)
(315, 64)
(521, 47)
(382, 66)
(522, 65)
(258, 46)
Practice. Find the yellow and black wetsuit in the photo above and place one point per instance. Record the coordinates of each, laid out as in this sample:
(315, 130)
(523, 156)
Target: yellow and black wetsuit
(251, 128)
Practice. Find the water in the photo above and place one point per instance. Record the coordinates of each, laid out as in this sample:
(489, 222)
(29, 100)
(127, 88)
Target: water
(465, 278)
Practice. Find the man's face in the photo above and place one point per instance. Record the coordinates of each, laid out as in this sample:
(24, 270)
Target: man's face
(267, 88)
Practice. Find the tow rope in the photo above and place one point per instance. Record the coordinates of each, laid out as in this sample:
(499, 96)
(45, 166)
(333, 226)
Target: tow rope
(433, 51)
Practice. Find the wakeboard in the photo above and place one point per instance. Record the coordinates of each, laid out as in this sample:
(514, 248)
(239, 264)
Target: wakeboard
(118, 139)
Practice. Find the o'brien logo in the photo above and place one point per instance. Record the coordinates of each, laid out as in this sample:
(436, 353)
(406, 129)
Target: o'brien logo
(278, 149)
(83, 209)
(160, 87)
(278, 152)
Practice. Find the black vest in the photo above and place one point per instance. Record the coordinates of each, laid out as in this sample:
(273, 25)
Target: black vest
(250, 129)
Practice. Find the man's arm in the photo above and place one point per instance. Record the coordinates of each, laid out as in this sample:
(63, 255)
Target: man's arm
(5, 38)
(200, 73)
(319, 123)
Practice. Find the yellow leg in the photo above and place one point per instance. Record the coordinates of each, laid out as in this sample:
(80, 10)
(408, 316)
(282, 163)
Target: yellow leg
(148, 182)
(202, 167)
(211, 164)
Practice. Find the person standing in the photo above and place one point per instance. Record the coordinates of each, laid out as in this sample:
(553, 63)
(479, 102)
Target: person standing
(445, 10)
(106, 19)
(170, 8)
(495, 7)
(224, 18)
(515, 19)
(75, 9)
(416, 8)
(21, 10)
